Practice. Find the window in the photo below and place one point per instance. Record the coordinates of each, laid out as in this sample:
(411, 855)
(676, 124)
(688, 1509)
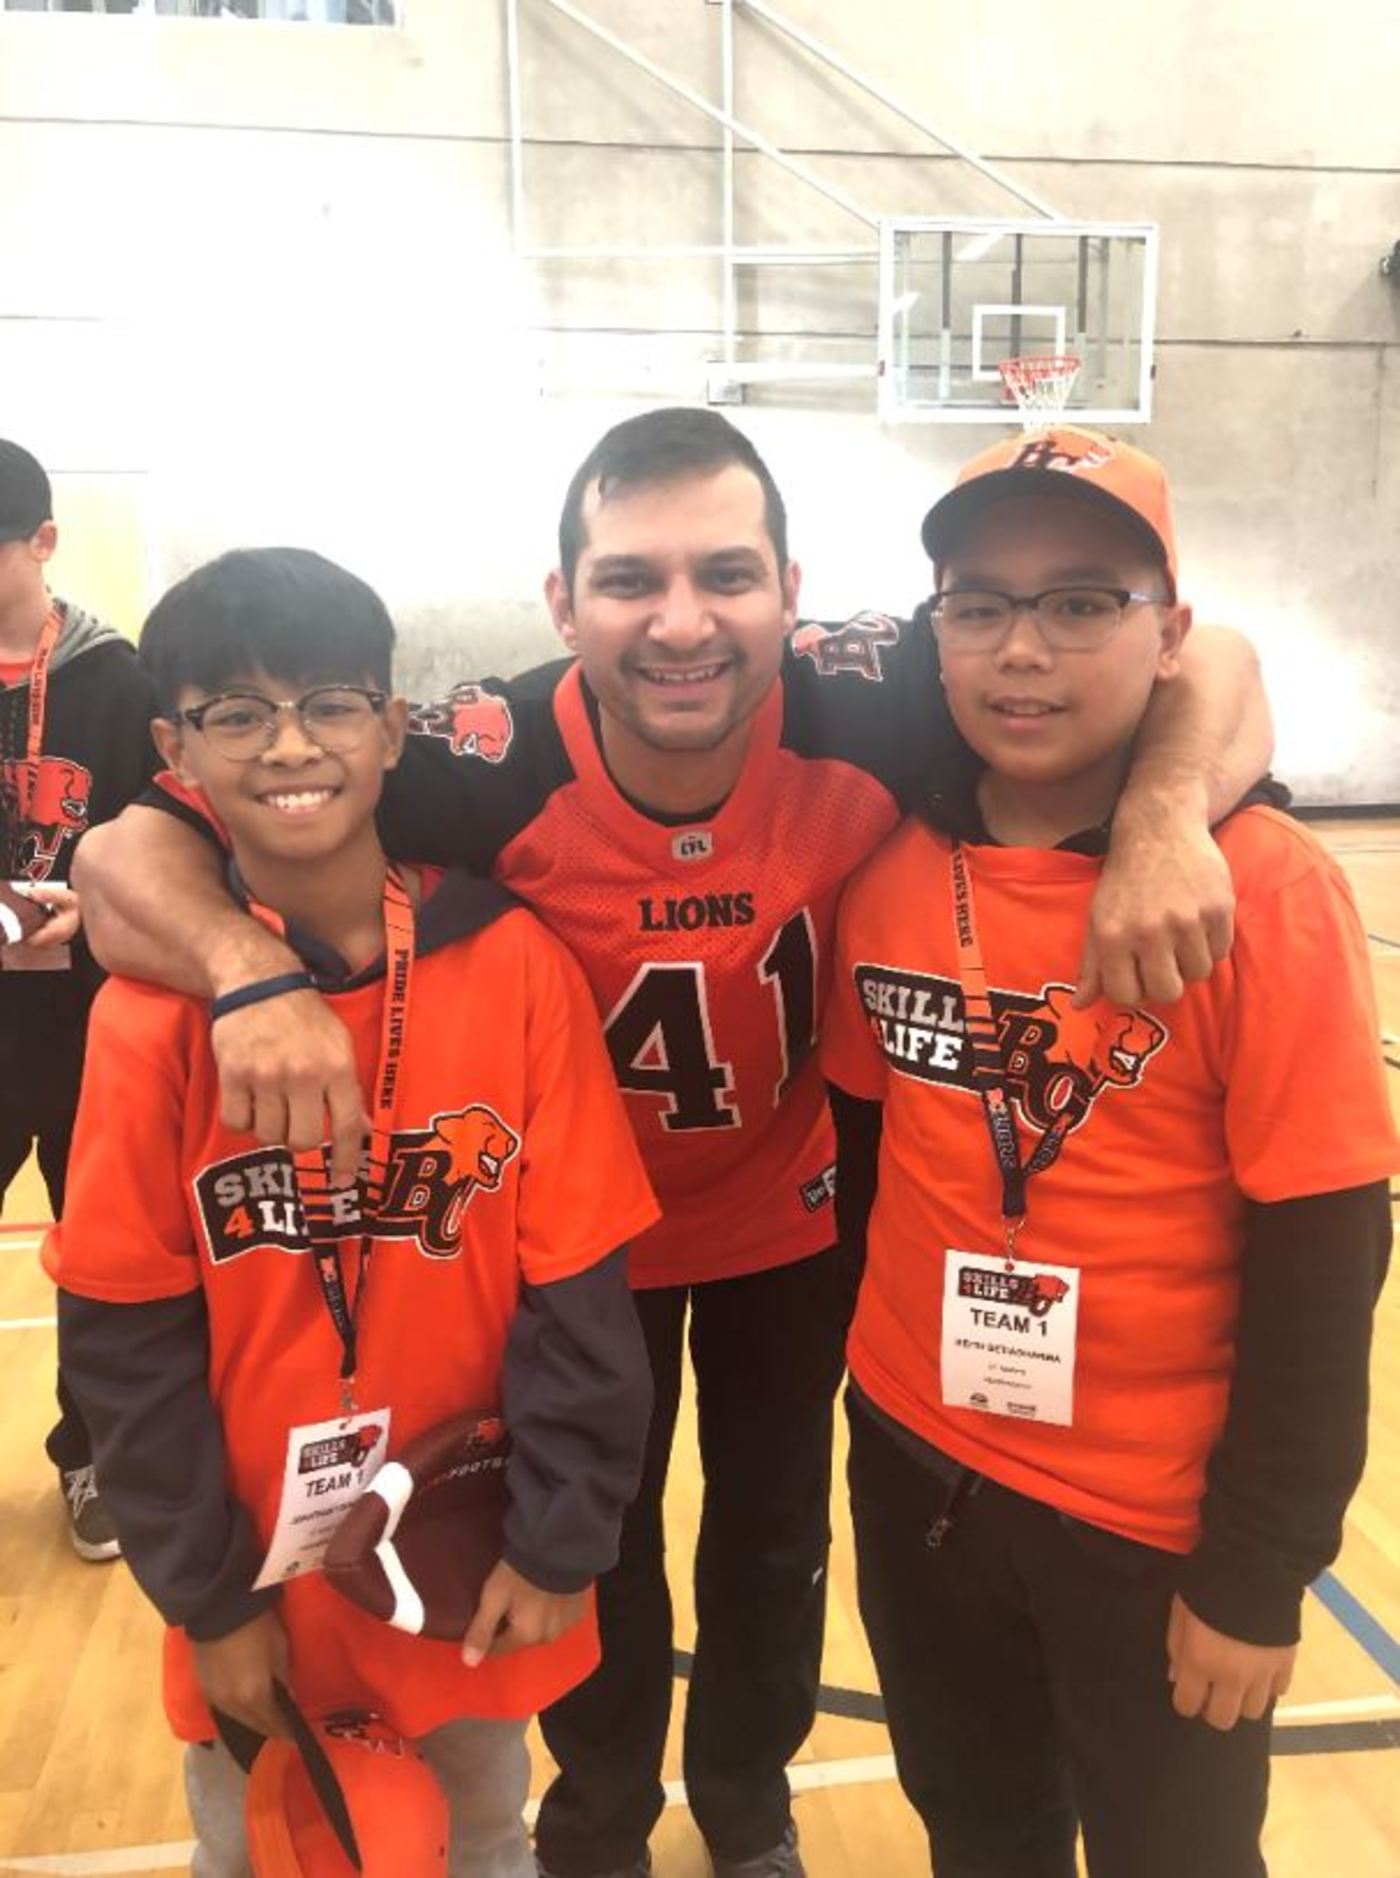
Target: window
(317, 12)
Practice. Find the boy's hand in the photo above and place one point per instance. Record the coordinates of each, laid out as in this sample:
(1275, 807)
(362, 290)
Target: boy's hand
(236, 1674)
(285, 1066)
(514, 1613)
(1163, 914)
(64, 921)
(1218, 1677)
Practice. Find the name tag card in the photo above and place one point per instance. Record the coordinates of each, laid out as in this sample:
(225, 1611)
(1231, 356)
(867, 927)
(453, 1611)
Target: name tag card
(1009, 1337)
(329, 1465)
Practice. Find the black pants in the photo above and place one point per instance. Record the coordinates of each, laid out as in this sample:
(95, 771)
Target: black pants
(1023, 1666)
(52, 1130)
(767, 1357)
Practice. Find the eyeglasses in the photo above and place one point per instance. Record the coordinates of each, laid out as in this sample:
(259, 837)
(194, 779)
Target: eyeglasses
(1071, 619)
(242, 724)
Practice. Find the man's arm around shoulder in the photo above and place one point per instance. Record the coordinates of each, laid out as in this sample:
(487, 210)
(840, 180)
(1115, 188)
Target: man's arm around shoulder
(156, 907)
(1164, 912)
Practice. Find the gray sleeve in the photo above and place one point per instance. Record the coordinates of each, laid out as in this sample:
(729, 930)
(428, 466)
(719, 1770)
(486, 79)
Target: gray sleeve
(139, 1374)
(577, 1400)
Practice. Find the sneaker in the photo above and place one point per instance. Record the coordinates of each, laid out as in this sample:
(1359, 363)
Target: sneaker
(90, 1526)
(639, 1868)
(784, 1861)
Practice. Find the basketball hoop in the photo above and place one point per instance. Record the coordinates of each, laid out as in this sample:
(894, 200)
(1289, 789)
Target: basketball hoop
(1040, 386)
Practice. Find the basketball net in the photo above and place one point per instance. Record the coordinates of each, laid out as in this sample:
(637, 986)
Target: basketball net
(1041, 387)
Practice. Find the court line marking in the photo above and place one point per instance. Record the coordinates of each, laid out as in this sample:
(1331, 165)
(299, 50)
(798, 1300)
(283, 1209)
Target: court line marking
(1359, 1624)
(22, 1242)
(28, 1323)
(118, 1859)
(1347, 1708)
(803, 1777)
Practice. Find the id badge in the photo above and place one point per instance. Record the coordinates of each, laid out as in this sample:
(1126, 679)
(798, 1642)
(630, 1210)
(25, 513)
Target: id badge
(329, 1465)
(1009, 1337)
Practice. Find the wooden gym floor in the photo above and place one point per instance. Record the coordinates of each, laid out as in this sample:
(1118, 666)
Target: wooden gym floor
(89, 1778)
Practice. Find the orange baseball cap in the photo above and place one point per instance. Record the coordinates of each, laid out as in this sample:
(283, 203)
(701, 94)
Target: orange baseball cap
(347, 1798)
(1096, 467)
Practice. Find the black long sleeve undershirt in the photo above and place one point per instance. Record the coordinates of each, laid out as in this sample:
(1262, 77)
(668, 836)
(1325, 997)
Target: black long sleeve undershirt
(859, 1126)
(139, 1374)
(577, 1395)
(1294, 1442)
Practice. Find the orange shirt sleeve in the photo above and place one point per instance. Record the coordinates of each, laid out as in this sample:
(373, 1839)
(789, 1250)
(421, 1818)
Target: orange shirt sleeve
(1306, 1106)
(850, 1056)
(583, 1190)
(126, 1236)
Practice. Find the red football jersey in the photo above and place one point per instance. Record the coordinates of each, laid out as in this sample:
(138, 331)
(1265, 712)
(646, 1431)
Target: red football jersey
(708, 945)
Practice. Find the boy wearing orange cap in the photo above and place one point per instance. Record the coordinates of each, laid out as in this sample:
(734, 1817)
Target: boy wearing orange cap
(1108, 1363)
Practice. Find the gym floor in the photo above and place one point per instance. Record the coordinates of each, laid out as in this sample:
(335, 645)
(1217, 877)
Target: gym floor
(90, 1779)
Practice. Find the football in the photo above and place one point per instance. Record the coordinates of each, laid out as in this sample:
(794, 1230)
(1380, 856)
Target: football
(420, 1542)
(19, 915)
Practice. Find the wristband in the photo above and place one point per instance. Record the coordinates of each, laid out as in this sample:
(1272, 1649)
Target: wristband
(255, 993)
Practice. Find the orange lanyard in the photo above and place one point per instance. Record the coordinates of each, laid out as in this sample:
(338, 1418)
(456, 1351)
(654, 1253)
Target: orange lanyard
(38, 699)
(987, 1067)
(313, 1184)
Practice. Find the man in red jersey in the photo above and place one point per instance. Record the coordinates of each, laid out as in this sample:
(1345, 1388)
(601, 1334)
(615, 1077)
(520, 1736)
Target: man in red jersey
(681, 803)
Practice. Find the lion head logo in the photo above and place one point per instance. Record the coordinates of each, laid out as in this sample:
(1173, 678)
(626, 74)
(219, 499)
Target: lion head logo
(480, 1145)
(1059, 1059)
(367, 1439)
(473, 722)
(857, 646)
(59, 805)
(1107, 1043)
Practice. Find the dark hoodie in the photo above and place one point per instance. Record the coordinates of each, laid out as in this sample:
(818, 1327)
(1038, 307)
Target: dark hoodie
(96, 757)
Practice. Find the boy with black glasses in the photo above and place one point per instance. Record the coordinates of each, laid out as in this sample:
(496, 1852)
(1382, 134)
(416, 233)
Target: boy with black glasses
(247, 1343)
(1108, 1397)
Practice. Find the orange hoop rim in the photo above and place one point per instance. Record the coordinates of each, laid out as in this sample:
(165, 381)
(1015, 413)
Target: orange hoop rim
(1038, 369)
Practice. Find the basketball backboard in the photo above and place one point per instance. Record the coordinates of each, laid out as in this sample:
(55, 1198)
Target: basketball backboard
(959, 295)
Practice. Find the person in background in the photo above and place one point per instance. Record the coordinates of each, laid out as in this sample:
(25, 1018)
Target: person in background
(75, 748)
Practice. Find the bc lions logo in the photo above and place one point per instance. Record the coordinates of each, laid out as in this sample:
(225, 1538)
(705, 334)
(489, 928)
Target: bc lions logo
(1059, 1059)
(367, 1439)
(854, 647)
(250, 1201)
(472, 721)
(1062, 450)
(1036, 1292)
(58, 811)
(480, 1145)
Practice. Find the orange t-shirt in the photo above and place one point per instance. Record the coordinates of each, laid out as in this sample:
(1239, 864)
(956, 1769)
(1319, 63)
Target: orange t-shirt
(1264, 1083)
(511, 1162)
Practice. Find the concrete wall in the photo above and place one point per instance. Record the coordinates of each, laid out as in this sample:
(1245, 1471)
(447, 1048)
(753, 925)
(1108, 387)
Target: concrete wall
(257, 285)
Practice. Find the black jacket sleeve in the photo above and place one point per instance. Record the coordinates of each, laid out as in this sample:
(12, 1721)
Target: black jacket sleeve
(1294, 1441)
(577, 1400)
(859, 1125)
(139, 1374)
